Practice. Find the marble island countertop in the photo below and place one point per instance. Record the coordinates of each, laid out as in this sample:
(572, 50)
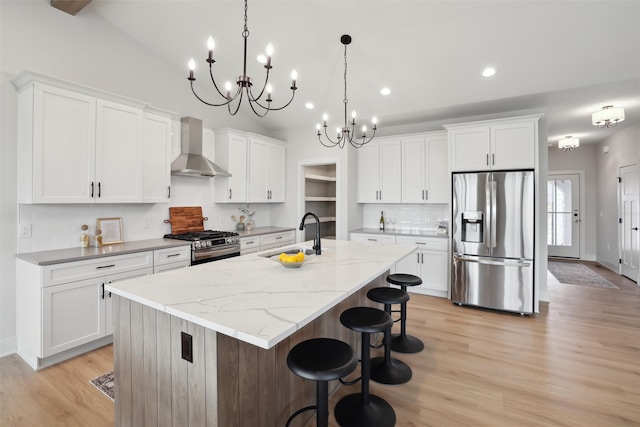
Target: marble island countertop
(255, 299)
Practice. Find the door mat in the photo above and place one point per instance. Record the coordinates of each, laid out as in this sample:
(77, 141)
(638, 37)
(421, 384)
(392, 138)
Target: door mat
(573, 273)
(105, 384)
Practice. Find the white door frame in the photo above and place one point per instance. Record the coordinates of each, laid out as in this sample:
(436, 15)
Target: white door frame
(582, 196)
(622, 224)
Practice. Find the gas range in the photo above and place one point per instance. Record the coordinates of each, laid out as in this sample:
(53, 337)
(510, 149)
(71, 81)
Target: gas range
(209, 245)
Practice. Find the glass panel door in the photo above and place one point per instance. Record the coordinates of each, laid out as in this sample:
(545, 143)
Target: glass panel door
(563, 215)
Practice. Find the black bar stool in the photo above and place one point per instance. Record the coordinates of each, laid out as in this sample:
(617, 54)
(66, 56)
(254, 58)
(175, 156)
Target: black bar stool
(364, 409)
(402, 342)
(387, 369)
(321, 360)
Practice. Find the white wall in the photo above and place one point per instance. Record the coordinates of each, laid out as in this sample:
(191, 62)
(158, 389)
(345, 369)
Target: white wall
(581, 159)
(624, 149)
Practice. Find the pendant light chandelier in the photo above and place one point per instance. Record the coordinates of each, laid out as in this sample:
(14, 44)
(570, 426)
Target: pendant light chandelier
(244, 83)
(348, 131)
(568, 143)
(608, 116)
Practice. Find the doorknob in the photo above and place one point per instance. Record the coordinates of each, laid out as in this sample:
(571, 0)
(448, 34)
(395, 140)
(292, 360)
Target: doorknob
(635, 228)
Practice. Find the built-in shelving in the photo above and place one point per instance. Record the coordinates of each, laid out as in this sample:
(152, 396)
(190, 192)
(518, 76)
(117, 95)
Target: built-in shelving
(320, 198)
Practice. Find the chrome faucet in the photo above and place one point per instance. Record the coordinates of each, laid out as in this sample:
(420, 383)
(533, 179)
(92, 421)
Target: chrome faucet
(316, 242)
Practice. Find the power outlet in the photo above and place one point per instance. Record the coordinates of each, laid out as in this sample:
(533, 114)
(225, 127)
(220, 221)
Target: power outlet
(24, 231)
(146, 224)
(187, 346)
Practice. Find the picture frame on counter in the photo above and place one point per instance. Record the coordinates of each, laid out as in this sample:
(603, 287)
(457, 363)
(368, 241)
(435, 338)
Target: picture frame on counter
(111, 230)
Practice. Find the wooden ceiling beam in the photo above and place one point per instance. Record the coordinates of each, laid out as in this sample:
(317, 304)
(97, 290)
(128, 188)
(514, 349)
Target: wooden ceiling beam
(72, 7)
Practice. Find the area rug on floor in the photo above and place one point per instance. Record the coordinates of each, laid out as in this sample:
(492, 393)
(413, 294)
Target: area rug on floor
(577, 274)
(105, 384)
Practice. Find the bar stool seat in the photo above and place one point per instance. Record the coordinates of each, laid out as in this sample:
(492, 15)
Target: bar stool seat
(321, 360)
(364, 409)
(402, 342)
(387, 369)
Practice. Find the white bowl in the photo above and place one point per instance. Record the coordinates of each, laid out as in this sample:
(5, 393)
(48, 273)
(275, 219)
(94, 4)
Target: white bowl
(276, 258)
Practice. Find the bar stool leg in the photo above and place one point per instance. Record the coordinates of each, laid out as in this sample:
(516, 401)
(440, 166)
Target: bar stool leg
(364, 409)
(403, 343)
(322, 397)
(387, 370)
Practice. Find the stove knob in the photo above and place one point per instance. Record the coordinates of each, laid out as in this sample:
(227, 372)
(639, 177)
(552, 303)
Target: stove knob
(197, 245)
(208, 242)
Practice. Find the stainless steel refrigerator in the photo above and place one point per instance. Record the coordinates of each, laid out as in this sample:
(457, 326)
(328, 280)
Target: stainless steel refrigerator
(493, 240)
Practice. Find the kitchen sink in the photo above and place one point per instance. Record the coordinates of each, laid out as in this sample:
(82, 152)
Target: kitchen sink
(278, 251)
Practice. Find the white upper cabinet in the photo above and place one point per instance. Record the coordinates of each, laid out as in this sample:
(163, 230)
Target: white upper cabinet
(266, 170)
(231, 155)
(118, 147)
(494, 144)
(82, 145)
(156, 158)
(379, 171)
(425, 172)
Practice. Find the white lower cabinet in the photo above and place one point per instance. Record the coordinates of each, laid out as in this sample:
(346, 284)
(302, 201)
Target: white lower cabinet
(249, 245)
(430, 263)
(79, 312)
(64, 309)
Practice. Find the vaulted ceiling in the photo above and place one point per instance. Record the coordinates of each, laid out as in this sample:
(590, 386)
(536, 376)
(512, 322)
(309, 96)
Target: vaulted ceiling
(565, 58)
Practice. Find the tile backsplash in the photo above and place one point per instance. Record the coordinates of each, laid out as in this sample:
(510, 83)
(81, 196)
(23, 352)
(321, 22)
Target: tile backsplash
(425, 217)
(57, 226)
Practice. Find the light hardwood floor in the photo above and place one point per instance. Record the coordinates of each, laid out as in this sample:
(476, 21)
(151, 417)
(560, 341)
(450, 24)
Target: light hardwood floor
(577, 363)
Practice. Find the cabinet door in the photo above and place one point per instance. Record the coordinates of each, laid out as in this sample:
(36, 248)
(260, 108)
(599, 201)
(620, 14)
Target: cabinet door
(231, 155)
(433, 270)
(513, 146)
(72, 314)
(390, 171)
(409, 265)
(118, 145)
(470, 149)
(156, 164)
(368, 174)
(258, 186)
(63, 146)
(106, 296)
(276, 173)
(414, 170)
(437, 170)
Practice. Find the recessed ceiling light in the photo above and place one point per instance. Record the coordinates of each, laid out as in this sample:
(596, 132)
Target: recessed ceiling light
(385, 91)
(488, 72)
(309, 106)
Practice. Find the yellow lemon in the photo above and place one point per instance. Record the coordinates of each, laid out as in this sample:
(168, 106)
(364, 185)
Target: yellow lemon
(300, 256)
(282, 256)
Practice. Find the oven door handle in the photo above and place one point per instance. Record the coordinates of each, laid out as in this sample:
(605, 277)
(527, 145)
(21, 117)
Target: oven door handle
(215, 252)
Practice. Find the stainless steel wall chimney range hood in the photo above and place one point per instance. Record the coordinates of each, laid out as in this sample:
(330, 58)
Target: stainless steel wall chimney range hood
(191, 162)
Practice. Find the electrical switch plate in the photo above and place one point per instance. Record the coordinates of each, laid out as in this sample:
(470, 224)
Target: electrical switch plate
(187, 346)
(24, 230)
(146, 224)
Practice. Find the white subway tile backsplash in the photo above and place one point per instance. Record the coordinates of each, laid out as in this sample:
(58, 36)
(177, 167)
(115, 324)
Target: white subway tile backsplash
(406, 216)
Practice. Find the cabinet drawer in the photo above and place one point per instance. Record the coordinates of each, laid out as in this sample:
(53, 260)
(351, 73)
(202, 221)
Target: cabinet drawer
(274, 240)
(79, 270)
(250, 244)
(171, 255)
(379, 238)
(435, 244)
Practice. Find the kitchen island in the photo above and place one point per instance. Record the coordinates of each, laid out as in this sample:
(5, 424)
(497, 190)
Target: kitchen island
(207, 345)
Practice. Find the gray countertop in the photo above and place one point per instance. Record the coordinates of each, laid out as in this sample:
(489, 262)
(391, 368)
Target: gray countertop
(401, 232)
(259, 231)
(58, 256)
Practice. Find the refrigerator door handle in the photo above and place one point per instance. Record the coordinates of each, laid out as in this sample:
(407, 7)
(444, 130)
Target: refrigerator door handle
(493, 213)
(493, 261)
(488, 213)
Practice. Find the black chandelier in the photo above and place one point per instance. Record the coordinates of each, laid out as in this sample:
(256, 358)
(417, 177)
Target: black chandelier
(244, 83)
(348, 131)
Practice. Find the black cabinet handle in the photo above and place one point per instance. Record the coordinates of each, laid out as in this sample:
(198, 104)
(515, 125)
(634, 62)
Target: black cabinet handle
(102, 296)
(99, 189)
(92, 189)
(105, 266)
(169, 192)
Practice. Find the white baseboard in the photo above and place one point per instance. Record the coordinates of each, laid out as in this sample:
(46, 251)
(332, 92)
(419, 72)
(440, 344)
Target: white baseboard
(8, 346)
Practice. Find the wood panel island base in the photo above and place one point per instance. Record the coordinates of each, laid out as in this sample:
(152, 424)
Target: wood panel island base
(236, 320)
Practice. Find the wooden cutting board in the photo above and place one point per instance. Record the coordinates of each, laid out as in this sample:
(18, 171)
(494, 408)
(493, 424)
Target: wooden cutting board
(186, 219)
